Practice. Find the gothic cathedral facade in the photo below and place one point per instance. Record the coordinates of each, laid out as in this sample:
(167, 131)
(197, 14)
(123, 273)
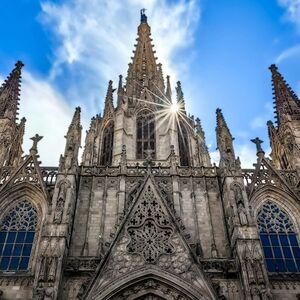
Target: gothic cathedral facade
(145, 214)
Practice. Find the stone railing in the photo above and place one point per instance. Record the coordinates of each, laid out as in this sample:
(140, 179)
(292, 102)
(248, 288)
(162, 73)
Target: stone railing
(138, 170)
(49, 175)
(266, 176)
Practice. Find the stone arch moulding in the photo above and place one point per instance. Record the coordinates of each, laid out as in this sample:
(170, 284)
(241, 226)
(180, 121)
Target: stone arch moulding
(149, 281)
(25, 191)
(283, 199)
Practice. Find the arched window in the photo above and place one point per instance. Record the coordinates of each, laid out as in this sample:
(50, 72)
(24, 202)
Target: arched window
(107, 145)
(17, 233)
(183, 145)
(278, 239)
(145, 137)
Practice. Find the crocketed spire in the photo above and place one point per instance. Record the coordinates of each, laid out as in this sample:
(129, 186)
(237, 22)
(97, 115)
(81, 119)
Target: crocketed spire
(286, 102)
(144, 71)
(108, 105)
(10, 92)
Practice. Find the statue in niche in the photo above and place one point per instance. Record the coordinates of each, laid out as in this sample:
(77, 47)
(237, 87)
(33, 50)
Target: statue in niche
(59, 209)
(52, 261)
(242, 214)
(241, 210)
(43, 271)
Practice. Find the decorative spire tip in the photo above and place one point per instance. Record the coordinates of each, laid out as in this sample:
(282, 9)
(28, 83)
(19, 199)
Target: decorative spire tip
(143, 16)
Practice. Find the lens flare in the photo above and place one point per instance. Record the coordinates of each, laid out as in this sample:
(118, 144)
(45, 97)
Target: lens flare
(174, 108)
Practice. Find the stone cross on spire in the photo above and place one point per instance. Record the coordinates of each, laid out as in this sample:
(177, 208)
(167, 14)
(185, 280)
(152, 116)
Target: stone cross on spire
(36, 139)
(258, 143)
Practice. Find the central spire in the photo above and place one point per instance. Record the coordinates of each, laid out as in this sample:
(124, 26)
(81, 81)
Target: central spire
(144, 72)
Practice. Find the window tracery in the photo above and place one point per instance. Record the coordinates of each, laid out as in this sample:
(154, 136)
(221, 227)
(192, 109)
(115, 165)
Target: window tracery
(107, 145)
(278, 238)
(183, 145)
(150, 230)
(17, 232)
(145, 137)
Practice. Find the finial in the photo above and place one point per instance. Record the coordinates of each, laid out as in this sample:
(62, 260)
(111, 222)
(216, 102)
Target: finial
(19, 65)
(36, 139)
(143, 16)
(259, 150)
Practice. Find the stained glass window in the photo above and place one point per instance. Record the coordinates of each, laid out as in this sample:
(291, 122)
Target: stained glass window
(145, 138)
(278, 238)
(183, 145)
(17, 232)
(107, 145)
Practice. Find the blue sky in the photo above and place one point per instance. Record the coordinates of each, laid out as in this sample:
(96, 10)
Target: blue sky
(219, 49)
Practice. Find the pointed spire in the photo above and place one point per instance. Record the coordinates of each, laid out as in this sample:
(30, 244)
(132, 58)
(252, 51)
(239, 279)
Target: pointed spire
(109, 106)
(120, 91)
(199, 128)
(224, 139)
(10, 92)
(169, 90)
(144, 71)
(180, 96)
(75, 123)
(286, 102)
(69, 161)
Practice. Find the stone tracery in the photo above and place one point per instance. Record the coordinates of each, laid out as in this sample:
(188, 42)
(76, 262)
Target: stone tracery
(150, 229)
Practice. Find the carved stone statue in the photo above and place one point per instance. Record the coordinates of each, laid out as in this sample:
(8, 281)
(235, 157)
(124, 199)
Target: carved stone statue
(242, 214)
(59, 209)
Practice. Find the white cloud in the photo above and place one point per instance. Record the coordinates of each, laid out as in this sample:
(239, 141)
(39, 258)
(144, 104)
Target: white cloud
(247, 155)
(47, 114)
(288, 53)
(261, 120)
(292, 11)
(94, 38)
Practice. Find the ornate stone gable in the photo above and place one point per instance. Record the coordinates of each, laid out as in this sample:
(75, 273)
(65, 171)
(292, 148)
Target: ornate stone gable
(148, 239)
(28, 172)
(266, 175)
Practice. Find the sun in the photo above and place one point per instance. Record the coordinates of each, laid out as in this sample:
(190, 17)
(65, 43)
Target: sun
(174, 108)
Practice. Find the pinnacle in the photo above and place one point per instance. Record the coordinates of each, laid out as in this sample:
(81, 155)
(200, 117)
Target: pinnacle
(169, 90)
(221, 123)
(9, 93)
(108, 106)
(286, 101)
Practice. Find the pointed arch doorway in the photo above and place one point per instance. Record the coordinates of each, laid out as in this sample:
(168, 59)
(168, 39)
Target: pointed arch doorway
(152, 289)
